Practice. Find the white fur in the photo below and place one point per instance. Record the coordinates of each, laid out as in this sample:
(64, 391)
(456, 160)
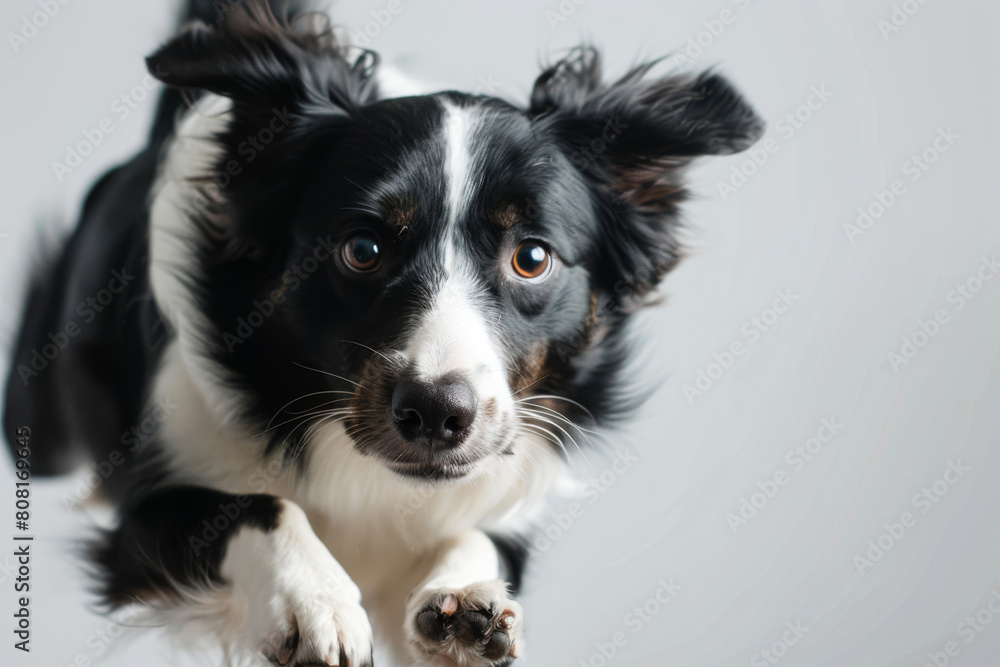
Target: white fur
(459, 129)
(465, 559)
(201, 448)
(172, 239)
(454, 336)
(286, 580)
(467, 567)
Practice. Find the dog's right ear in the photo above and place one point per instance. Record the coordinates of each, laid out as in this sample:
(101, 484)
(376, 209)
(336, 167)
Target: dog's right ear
(261, 61)
(282, 77)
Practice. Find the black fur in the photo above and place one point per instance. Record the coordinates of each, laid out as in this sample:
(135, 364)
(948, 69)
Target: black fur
(513, 552)
(174, 537)
(82, 401)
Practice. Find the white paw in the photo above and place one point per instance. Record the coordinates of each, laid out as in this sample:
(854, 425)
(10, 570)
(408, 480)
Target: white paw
(299, 606)
(320, 626)
(477, 625)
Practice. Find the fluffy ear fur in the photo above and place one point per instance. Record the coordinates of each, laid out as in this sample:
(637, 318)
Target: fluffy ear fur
(284, 77)
(630, 139)
(257, 59)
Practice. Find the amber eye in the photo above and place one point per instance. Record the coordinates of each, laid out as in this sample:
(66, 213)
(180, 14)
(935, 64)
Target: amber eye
(361, 252)
(531, 260)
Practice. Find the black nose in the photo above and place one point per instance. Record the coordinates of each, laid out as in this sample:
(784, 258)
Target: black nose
(437, 415)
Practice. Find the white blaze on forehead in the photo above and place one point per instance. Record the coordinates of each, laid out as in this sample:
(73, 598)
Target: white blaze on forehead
(459, 126)
(454, 335)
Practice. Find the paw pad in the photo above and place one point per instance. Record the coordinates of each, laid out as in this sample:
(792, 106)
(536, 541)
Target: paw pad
(461, 626)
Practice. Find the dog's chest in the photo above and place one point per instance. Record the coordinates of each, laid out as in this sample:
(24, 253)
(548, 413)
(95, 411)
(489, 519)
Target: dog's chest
(373, 520)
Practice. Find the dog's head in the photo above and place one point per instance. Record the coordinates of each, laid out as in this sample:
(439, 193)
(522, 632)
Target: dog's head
(442, 273)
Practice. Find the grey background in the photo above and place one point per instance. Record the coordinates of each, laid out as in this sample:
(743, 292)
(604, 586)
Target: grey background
(666, 517)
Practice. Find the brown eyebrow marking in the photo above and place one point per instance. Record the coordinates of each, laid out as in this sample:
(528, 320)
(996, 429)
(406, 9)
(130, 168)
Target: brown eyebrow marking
(399, 213)
(507, 216)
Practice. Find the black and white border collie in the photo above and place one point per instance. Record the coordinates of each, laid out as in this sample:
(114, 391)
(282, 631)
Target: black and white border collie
(348, 300)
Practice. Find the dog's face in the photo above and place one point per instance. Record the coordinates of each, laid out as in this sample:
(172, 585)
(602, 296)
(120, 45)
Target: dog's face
(447, 280)
(438, 273)
(448, 272)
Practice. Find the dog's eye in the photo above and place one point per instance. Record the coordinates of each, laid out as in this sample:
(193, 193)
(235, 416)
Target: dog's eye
(531, 260)
(361, 253)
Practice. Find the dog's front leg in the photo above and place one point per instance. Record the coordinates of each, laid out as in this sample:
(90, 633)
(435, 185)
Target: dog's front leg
(249, 566)
(298, 604)
(461, 612)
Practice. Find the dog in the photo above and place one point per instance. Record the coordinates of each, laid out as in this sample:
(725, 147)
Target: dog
(367, 325)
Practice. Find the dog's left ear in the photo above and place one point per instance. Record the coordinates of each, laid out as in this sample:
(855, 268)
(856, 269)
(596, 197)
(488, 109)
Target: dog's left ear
(630, 140)
(639, 129)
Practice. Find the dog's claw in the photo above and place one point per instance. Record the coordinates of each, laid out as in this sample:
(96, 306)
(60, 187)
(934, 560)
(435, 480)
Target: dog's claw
(288, 646)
